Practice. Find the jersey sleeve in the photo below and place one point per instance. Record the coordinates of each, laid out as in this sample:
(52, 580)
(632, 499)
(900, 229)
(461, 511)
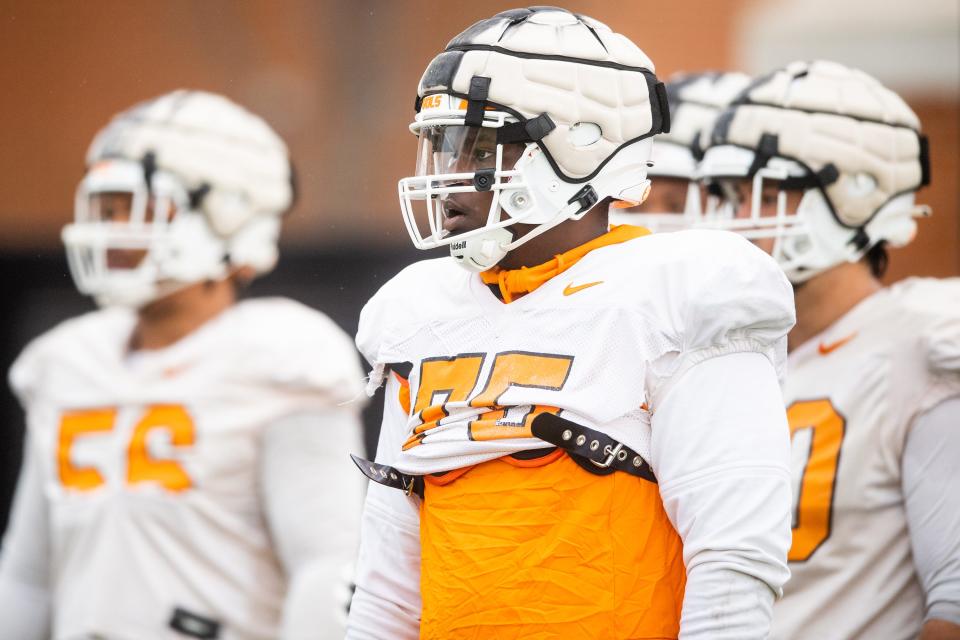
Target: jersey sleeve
(722, 295)
(386, 603)
(720, 449)
(931, 489)
(314, 529)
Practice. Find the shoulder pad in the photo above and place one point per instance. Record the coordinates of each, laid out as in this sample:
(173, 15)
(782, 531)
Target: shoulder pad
(715, 286)
(292, 346)
(394, 306)
(90, 332)
(935, 307)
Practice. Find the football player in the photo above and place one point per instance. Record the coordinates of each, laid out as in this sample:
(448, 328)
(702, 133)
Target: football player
(675, 200)
(583, 433)
(820, 165)
(184, 466)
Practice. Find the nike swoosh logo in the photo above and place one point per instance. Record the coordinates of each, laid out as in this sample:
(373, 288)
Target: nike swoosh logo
(825, 348)
(570, 290)
(176, 370)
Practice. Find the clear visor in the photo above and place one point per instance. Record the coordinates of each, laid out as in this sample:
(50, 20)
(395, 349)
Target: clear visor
(456, 149)
(461, 174)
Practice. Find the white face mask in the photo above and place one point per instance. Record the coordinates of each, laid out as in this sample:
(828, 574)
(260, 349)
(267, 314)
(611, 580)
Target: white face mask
(128, 244)
(462, 179)
(446, 202)
(806, 239)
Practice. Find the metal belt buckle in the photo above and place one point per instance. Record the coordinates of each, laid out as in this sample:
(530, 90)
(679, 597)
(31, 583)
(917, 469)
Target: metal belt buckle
(611, 456)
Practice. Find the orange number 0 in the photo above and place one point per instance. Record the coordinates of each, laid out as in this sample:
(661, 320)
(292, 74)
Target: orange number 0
(813, 511)
(141, 466)
(451, 380)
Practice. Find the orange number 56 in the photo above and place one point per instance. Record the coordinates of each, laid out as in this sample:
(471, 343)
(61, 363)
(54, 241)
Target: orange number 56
(141, 466)
(814, 507)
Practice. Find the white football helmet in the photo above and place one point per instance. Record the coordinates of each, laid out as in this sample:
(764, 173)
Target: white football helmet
(582, 101)
(207, 181)
(696, 99)
(851, 146)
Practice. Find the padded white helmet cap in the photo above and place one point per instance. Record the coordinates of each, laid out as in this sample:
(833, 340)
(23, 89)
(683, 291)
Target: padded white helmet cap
(853, 146)
(696, 99)
(223, 175)
(584, 100)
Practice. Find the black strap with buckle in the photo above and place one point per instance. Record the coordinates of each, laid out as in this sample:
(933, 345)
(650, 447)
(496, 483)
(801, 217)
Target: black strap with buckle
(594, 451)
(532, 130)
(476, 101)
(390, 477)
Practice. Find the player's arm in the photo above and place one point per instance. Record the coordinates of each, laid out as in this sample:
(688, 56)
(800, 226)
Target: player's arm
(720, 449)
(24, 570)
(386, 603)
(931, 489)
(312, 502)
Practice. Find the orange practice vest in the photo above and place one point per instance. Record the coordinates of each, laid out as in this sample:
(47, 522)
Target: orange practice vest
(539, 549)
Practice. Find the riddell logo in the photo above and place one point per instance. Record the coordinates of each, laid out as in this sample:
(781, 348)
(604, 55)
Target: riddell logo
(457, 246)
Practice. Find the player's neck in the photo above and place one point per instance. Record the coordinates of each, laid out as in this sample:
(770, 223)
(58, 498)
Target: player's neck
(827, 297)
(565, 236)
(172, 318)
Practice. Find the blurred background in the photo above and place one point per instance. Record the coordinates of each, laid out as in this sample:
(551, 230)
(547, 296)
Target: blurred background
(337, 79)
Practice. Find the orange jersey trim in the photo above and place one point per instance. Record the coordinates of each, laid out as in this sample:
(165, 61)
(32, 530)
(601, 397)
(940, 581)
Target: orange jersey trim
(518, 282)
(403, 394)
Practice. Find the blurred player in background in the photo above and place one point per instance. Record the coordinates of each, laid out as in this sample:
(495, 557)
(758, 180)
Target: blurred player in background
(184, 472)
(583, 431)
(675, 201)
(819, 165)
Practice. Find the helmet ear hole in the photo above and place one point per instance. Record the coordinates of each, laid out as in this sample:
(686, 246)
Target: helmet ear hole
(584, 134)
(861, 184)
(255, 245)
(226, 210)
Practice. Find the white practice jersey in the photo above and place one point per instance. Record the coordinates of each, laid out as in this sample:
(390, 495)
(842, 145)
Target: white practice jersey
(150, 463)
(598, 344)
(852, 395)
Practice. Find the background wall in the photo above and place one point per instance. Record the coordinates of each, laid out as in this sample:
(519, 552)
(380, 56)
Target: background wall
(337, 79)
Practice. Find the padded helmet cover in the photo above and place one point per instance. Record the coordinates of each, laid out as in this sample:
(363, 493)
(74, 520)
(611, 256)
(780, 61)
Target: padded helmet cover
(569, 66)
(824, 113)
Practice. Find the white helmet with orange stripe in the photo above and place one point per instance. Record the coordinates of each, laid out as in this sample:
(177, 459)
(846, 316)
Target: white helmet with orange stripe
(536, 115)
(203, 185)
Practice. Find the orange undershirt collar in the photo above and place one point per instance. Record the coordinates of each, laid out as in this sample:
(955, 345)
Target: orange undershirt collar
(518, 282)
